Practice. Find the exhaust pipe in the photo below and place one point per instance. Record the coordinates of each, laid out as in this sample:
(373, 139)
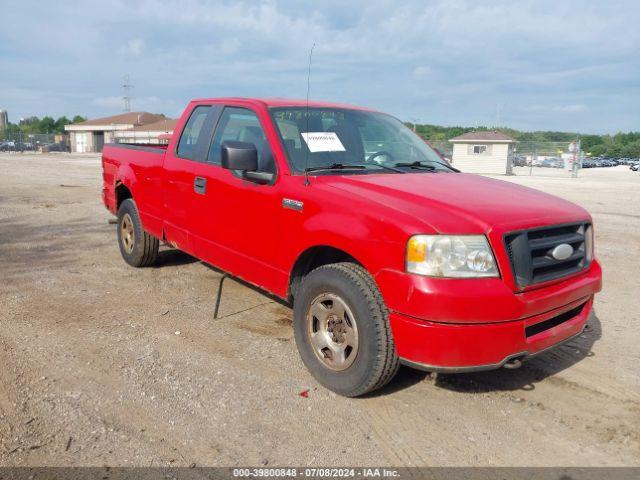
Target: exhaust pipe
(513, 364)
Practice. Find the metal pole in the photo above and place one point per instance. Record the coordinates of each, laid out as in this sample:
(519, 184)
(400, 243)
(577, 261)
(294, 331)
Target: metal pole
(576, 160)
(219, 294)
(534, 158)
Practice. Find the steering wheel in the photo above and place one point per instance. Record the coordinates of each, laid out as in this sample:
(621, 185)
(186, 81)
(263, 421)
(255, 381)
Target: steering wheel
(379, 154)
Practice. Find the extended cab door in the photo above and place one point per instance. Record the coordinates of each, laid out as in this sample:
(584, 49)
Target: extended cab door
(235, 221)
(182, 169)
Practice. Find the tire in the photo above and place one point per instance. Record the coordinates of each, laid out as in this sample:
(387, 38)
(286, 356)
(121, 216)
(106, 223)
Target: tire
(350, 353)
(137, 247)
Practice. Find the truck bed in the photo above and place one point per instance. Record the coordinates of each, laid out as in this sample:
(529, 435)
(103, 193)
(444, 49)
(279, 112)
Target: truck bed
(141, 165)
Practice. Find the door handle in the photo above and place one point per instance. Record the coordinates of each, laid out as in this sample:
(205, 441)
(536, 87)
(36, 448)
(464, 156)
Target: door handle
(200, 185)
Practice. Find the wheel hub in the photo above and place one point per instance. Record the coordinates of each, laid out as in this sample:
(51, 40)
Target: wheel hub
(332, 331)
(127, 233)
(337, 328)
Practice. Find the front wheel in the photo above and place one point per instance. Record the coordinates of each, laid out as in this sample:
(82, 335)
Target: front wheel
(342, 330)
(138, 248)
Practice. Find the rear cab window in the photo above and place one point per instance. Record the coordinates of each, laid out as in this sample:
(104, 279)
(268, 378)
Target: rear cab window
(196, 133)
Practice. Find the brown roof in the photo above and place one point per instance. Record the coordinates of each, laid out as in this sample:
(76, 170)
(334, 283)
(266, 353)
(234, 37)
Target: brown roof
(483, 136)
(167, 125)
(129, 118)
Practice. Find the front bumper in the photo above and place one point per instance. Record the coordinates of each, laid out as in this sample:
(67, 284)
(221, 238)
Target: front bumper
(456, 326)
(463, 348)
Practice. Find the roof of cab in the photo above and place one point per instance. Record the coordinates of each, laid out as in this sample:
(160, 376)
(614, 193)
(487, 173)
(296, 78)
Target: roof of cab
(281, 102)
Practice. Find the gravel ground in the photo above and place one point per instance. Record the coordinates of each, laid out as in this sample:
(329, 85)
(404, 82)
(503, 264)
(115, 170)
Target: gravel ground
(103, 364)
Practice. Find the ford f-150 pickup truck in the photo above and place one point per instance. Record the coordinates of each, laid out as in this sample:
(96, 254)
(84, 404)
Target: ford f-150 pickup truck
(387, 253)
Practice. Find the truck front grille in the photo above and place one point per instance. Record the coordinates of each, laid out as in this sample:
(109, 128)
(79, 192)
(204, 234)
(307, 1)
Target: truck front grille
(531, 252)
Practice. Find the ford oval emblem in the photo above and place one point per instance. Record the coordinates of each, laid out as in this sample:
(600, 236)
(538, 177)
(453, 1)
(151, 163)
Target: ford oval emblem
(562, 251)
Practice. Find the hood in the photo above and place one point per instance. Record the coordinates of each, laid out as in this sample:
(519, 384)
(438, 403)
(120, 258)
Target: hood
(459, 202)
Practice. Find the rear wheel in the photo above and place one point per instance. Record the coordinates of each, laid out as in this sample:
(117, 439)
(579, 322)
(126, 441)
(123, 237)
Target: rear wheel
(138, 248)
(342, 330)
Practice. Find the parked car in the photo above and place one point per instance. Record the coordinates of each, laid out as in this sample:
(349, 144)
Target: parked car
(519, 161)
(7, 146)
(553, 163)
(635, 167)
(381, 258)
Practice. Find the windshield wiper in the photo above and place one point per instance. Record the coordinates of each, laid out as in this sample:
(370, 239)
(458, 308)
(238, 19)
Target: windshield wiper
(336, 166)
(416, 164)
(425, 165)
(349, 166)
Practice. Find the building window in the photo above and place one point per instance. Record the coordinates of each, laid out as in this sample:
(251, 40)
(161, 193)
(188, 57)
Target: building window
(479, 149)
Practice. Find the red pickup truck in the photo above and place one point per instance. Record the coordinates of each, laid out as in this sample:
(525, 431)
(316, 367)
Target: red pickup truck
(387, 253)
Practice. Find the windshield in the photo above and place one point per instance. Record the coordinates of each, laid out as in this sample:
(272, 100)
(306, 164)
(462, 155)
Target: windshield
(331, 137)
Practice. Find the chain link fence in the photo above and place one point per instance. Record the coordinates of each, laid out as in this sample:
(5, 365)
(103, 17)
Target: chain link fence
(532, 158)
(547, 158)
(34, 142)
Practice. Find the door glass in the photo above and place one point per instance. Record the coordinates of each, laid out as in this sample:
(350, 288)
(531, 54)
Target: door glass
(242, 125)
(193, 132)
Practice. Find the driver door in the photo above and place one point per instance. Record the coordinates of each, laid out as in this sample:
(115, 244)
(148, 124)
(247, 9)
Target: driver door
(237, 228)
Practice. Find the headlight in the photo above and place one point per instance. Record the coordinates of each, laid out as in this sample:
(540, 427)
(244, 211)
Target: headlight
(458, 256)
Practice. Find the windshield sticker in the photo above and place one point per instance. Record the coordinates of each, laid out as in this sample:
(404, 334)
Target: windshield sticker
(323, 142)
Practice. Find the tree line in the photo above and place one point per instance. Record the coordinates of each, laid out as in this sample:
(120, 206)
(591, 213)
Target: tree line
(35, 125)
(619, 145)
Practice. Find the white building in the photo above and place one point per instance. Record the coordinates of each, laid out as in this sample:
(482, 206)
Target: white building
(91, 135)
(152, 133)
(482, 152)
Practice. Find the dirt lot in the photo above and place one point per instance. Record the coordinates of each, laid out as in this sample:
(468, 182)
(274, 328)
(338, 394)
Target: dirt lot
(103, 364)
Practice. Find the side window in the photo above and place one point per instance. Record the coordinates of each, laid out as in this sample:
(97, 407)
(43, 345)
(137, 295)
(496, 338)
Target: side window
(479, 149)
(241, 125)
(193, 133)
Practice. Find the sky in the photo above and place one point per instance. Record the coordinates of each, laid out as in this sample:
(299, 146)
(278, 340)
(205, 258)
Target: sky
(571, 65)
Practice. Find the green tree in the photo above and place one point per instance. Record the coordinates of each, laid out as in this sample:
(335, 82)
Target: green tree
(60, 123)
(47, 125)
(588, 142)
(597, 150)
(614, 150)
(79, 118)
(631, 150)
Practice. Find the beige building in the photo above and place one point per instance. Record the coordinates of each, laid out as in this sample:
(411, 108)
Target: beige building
(91, 135)
(152, 133)
(483, 152)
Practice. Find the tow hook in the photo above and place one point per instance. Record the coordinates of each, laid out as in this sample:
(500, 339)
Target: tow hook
(513, 364)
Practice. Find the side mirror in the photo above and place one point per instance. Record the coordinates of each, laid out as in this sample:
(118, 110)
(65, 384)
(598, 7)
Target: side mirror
(241, 156)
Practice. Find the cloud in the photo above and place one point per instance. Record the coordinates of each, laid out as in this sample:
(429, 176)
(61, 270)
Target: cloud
(443, 61)
(575, 108)
(110, 103)
(134, 47)
(421, 71)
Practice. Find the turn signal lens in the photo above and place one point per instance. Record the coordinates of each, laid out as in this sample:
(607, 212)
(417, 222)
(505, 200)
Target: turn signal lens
(416, 250)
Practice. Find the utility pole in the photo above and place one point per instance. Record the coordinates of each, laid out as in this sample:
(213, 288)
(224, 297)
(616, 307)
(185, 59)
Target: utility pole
(577, 157)
(126, 90)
